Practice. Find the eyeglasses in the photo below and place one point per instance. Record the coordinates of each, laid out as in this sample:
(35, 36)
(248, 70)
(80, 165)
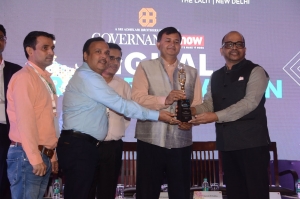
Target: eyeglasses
(112, 58)
(3, 38)
(230, 44)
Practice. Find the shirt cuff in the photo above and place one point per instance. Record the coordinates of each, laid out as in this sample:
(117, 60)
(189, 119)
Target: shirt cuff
(221, 116)
(153, 115)
(54, 157)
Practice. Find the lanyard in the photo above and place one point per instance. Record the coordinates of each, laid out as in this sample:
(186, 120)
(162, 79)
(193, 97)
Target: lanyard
(47, 84)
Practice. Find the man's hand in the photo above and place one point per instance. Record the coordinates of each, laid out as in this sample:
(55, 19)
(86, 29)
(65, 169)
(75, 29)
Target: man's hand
(167, 117)
(174, 95)
(193, 111)
(184, 126)
(39, 169)
(54, 167)
(204, 118)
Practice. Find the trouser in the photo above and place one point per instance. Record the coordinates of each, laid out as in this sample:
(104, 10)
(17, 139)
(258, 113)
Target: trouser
(246, 173)
(4, 146)
(23, 182)
(109, 168)
(78, 159)
(153, 161)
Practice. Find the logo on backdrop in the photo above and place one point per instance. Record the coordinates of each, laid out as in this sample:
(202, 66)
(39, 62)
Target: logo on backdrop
(292, 68)
(147, 17)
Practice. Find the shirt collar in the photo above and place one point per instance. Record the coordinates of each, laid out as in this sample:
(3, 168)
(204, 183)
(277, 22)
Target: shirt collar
(44, 73)
(166, 64)
(2, 64)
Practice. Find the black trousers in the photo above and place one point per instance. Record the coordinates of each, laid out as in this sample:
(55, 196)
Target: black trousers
(108, 171)
(4, 146)
(246, 173)
(153, 161)
(78, 160)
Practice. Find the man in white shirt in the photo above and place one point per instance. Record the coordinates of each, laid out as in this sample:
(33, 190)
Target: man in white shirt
(7, 69)
(112, 147)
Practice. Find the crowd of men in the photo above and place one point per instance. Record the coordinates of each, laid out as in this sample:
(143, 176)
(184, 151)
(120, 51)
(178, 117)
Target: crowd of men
(97, 108)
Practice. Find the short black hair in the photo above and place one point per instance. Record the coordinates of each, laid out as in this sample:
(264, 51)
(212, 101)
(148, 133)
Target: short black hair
(168, 31)
(2, 29)
(87, 44)
(232, 32)
(115, 46)
(31, 39)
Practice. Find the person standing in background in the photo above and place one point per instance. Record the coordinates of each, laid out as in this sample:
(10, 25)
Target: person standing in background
(112, 147)
(7, 69)
(235, 101)
(164, 147)
(32, 115)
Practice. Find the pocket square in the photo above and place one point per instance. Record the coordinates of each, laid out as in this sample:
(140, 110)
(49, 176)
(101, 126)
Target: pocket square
(241, 78)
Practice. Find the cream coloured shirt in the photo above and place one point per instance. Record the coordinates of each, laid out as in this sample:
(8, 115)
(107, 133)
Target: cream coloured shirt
(117, 122)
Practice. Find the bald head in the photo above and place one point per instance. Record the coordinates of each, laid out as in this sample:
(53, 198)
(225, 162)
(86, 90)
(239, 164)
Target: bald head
(230, 33)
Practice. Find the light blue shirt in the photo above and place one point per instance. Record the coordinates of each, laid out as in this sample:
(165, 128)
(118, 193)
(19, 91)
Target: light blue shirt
(85, 100)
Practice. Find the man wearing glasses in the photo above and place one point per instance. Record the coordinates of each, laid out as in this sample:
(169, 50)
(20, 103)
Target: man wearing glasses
(112, 147)
(235, 101)
(7, 69)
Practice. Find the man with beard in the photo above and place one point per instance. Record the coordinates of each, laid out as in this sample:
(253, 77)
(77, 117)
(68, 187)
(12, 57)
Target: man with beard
(112, 147)
(235, 101)
(7, 69)
(85, 120)
(32, 114)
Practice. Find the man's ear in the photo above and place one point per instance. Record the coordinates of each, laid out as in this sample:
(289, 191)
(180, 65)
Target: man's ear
(29, 50)
(158, 45)
(85, 56)
(221, 51)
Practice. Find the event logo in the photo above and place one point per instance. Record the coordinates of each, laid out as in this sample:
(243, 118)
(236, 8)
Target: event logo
(292, 68)
(192, 40)
(147, 17)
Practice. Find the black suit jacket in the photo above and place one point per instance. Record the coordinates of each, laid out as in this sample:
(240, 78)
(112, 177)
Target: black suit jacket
(8, 71)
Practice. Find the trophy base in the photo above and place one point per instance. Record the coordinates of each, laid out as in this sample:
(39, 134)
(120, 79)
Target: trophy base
(184, 113)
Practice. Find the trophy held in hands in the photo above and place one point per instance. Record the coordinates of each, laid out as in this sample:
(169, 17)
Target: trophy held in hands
(183, 106)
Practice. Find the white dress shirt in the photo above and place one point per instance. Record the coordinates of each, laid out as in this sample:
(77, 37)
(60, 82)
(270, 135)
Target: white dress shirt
(118, 122)
(2, 96)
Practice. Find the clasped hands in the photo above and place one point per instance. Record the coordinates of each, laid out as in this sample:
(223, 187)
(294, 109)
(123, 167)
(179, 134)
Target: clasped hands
(168, 117)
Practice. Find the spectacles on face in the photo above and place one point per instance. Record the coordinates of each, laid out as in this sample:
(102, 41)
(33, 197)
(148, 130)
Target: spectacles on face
(112, 58)
(3, 38)
(230, 44)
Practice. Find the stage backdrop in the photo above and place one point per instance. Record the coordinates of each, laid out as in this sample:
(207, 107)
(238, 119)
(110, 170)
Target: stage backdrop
(271, 30)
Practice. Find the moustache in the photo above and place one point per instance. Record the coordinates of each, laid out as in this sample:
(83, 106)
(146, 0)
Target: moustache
(234, 51)
(102, 61)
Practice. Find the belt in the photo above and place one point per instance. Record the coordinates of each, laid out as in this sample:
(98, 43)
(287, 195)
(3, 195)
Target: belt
(48, 152)
(83, 136)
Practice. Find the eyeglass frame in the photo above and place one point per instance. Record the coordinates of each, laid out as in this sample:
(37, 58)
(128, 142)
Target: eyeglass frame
(113, 58)
(234, 44)
(3, 38)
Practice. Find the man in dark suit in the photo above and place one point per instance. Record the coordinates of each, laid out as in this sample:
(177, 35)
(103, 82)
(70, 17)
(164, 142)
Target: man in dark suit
(7, 69)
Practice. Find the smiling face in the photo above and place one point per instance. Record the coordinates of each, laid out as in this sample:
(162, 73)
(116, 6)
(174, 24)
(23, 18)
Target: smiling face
(97, 56)
(235, 54)
(169, 45)
(43, 53)
(114, 62)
